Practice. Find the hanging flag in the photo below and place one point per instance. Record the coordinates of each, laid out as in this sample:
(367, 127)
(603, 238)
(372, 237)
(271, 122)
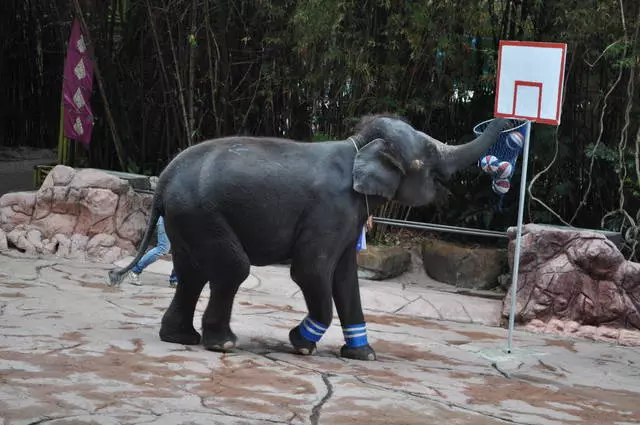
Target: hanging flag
(77, 88)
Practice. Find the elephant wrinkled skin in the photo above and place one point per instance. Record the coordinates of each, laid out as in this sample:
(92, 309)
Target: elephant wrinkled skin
(234, 202)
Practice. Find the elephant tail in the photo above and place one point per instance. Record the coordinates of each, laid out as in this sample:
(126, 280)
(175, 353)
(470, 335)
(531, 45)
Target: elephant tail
(116, 275)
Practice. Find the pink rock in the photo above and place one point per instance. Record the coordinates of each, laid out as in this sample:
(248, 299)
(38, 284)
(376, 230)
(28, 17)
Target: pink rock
(73, 206)
(78, 246)
(629, 338)
(126, 247)
(20, 202)
(596, 255)
(16, 209)
(49, 247)
(4, 246)
(10, 219)
(576, 278)
(91, 178)
(62, 245)
(132, 214)
(18, 237)
(555, 325)
(133, 227)
(101, 241)
(66, 200)
(536, 323)
(96, 214)
(34, 237)
(631, 279)
(571, 326)
(606, 333)
(44, 201)
(60, 175)
(101, 248)
(587, 332)
(55, 223)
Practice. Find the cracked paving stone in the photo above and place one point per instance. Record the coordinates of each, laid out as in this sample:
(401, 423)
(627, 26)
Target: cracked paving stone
(74, 351)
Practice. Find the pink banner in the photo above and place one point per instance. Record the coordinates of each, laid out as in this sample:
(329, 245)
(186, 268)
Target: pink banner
(77, 88)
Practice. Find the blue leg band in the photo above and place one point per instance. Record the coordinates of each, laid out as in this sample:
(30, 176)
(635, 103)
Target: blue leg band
(312, 330)
(355, 335)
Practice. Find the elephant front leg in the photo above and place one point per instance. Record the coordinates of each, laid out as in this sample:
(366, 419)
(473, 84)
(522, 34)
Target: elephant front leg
(346, 295)
(316, 288)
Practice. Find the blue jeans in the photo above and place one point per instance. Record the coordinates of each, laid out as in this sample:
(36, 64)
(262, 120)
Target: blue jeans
(163, 248)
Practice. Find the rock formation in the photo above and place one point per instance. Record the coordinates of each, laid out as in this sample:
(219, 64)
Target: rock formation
(383, 262)
(463, 266)
(575, 282)
(76, 213)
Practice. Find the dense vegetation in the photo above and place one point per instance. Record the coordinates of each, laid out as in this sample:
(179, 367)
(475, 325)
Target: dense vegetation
(177, 71)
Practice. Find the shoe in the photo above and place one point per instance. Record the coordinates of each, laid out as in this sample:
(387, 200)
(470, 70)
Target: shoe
(134, 278)
(173, 283)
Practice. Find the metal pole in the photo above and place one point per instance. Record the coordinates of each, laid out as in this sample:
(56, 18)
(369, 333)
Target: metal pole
(439, 227)
(516, 256)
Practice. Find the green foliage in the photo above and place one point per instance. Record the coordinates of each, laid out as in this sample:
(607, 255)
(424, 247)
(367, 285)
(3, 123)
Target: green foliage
(308, 69)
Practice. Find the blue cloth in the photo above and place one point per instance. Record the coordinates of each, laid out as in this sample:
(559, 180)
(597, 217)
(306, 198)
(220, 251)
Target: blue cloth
(362, 241)
(163, 248)
(355, 335)
(312, 330)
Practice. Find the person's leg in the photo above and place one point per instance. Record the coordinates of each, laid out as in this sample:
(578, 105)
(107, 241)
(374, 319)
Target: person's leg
(152, 255)
(173, 278)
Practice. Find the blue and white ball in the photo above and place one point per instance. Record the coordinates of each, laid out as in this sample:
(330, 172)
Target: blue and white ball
(489, 164)
(515, 140)
(504, 170)
(500, 186)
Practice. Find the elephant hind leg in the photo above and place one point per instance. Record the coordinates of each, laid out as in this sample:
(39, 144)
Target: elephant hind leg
(177, 322)
(227, 267)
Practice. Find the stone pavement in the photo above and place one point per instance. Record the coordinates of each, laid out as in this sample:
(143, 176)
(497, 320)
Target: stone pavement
(74, 351)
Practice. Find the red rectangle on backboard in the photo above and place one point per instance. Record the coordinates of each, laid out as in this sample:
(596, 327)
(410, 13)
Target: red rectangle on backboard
(530, 64)
(517, 85)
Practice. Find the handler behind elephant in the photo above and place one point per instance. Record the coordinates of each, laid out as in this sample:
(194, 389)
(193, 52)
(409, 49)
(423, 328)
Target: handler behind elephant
(163, 248)
(239, 201)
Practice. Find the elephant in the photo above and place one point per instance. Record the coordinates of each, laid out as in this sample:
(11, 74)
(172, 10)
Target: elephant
(237, 201)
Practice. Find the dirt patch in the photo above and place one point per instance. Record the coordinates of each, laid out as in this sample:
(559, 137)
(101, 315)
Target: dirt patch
(475, 336)
(136, 316)
(285, 308)
(103, 286)
(12, 295)
(544, 367)
(72, 336)
(16, 285)
(250, 386)
(140, 375)
(564, 343)
(403, 320)
(352, 411)
(396, 350)
(592, 405)
(458, 342)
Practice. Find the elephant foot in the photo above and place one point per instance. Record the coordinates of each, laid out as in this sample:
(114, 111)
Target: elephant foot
(183, 337)
(359, 353)
(300, 344)
(219, 341)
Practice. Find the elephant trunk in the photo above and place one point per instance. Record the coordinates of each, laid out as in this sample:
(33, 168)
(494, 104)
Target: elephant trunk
(457, 157)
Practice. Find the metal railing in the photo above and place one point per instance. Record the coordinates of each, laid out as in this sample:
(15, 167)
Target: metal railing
(440, 228)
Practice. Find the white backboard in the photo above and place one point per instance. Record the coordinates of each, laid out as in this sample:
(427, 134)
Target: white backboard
(530, 81)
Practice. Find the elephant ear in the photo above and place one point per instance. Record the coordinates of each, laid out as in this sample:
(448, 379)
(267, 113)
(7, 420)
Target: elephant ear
(378, 169)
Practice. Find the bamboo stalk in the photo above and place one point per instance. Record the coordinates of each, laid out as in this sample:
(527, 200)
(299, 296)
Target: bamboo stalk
(179, 82)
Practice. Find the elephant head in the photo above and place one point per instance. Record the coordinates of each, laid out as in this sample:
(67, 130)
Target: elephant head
(398, 162)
